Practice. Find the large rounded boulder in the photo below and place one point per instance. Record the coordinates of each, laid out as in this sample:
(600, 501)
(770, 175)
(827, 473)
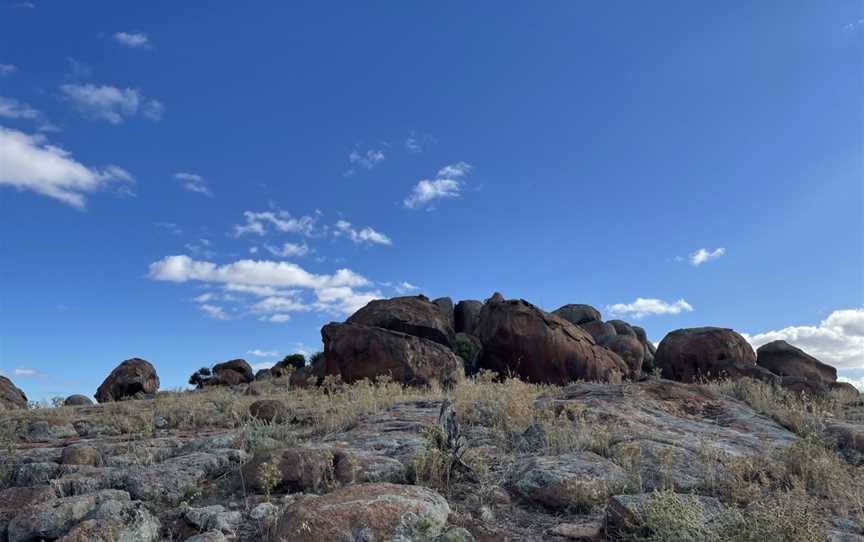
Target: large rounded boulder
(414, 315)
(521, 339)
(690, 354)
(231, 373)
(783, 359)
(11, 398)
(356, 351)
(628, 348)
(578, 314)
(133, 378)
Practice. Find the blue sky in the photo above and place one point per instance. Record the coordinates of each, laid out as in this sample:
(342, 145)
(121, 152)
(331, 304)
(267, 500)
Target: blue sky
(194, 182)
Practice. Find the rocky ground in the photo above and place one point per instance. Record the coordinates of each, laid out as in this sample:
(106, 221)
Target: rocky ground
(428, 421)
(500, 461)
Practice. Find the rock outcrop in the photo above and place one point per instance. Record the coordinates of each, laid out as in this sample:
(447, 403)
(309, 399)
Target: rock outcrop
(356, 351)
(466, 315)
(231, 373)
(783, 359)
(578, 314)
(413, 315)
(11, 398)
(690, 354)
(133, 378)
(521, 339)
(77, 400)
(365, 512)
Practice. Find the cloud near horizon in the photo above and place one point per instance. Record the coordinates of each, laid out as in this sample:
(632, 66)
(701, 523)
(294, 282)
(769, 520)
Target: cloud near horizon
(276, 288)
(31, 163)
(838, 340)
(643, 307)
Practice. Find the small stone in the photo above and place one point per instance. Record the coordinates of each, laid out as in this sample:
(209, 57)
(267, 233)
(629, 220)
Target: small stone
(457, 534)
(264, 511)
(82, 455)
(581, 532)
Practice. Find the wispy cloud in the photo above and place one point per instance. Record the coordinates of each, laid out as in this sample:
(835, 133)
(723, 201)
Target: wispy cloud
(643, 307)
(405, 287)
(214, 311)
(134, 40)
(837, 340)
(704, 255)
(288, 250)
(31, 163)
(366, 235)
(259, 223)
(448, 183)
(364, 159)
(263, 353)
(11, 108)
(7, 69)
(111, 104)
(194, 183)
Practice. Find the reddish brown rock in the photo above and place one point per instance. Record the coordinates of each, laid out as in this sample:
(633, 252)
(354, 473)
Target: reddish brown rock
(356, 352)
(365, 512)
(132, 378)
(783, 359)
(77, 400)
(231, 373)
(11, 398)
(414, 315)
(598, 329)
(693, 353)
(521, 339)
(578, 314)
(628, 348)
(81, 454)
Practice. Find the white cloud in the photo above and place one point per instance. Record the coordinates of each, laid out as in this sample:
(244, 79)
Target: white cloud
(214, 311)
(368, 159)
(276, 318)
(281, 285)
(288, 250)
(643, 307)
(30, 163)
(259, 223)
(24, 371)
(111, 104)
(447, 184)
(263, 353)
(194, 183)
(365, 236)
(24, 5)
(703, 255)
(838, 340)
(135, 40)
(405, 287)
(11, 108)
(7, 69)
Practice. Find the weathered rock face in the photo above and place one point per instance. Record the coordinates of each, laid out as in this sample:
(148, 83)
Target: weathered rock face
(783, 359)
(467, 315)
(567, 480)
(628, 348)
(689, 354)
(414, 315)
(357, 351)
(598, 329)
(129, 379)
(578, 314)
(521, 339)
(365, 512)
(11, 397)
(77, 400)
(445, 305)
(231, 373)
